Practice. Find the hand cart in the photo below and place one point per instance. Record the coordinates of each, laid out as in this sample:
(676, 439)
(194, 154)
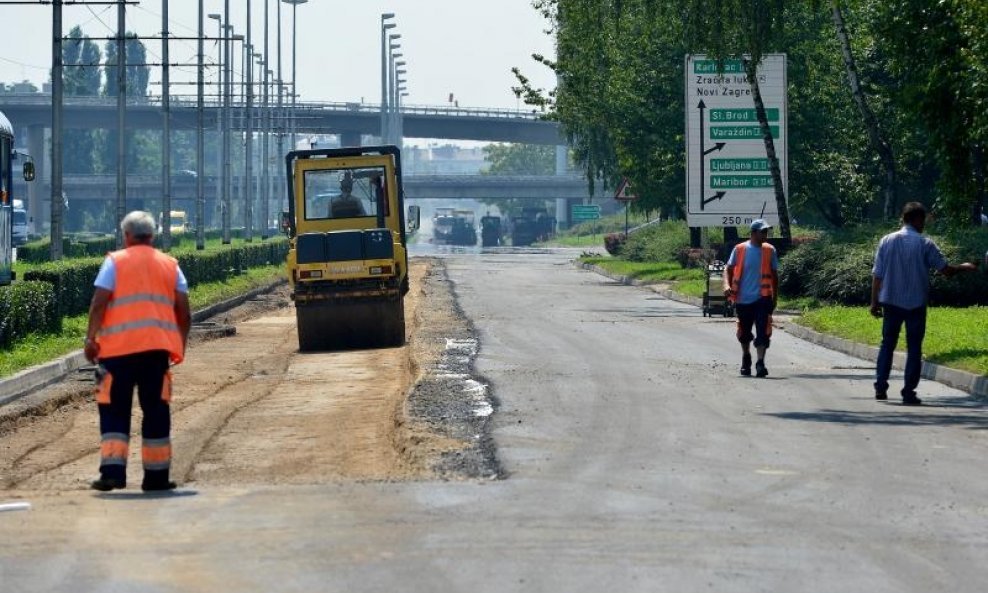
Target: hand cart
(714, 301)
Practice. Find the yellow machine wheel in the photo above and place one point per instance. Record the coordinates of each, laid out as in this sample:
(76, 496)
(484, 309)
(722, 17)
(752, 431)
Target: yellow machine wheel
(350, 325)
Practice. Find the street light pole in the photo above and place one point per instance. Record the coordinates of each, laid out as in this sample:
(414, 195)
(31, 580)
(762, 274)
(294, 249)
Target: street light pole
(166, 157)
(249, 133)
(280, 133)
(399, 81)
(227, 89)
(121, 119)
(401, 120)
(200, 146)
(220, 88)
(294, 124)
(265, 138)
(392, 46)
(56, 132)
(384, 73)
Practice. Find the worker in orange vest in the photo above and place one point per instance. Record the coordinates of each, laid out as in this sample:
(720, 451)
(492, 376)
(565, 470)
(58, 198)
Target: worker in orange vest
(138, 326)
(752, 283)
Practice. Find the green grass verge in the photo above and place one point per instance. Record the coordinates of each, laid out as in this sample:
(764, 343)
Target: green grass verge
(40, 348)
(955, 337)
(647, 271)
(576, 241)
(690, 282)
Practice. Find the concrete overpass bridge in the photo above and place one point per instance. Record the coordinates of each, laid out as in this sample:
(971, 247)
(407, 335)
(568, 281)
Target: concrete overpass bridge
(350, 120)
(89, 195)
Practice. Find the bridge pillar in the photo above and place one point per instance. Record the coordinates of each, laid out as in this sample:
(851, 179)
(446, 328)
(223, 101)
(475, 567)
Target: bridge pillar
(562, 211)
(350, 138)
(36, 190)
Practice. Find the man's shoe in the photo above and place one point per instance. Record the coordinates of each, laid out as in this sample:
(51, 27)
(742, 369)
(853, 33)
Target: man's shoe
(107, 484)
(911, 400)
(882, 395)
(760, 370)
(746, 365)
(158, 486)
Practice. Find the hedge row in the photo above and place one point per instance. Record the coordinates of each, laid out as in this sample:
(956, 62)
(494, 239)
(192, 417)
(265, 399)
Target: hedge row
(73, 279)
(837, 268)
(92, 245)
(27, 307)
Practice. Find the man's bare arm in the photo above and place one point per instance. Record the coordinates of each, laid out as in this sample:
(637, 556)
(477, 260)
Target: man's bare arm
(97, 308)
(183, 315)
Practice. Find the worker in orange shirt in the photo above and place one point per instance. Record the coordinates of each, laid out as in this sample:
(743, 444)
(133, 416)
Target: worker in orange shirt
(751, 281)
(138, 326)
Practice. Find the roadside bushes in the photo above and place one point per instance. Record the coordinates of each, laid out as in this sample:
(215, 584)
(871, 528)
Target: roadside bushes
(837, 268)
(71, 281)
(614, 243)
(27, 307)
(54, 290)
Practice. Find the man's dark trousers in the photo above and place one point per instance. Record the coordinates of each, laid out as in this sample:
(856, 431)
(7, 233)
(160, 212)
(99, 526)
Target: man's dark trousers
(892, 320)
(755, 315)
(146, 371)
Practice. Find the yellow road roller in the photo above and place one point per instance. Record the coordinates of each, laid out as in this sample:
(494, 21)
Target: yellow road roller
(347, 261)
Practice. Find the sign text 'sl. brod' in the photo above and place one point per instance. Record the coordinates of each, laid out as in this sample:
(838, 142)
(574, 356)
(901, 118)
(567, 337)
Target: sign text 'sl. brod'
(729, 181)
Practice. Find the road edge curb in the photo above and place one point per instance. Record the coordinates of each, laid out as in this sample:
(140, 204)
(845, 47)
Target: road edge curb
(975, 385)
(37, 377)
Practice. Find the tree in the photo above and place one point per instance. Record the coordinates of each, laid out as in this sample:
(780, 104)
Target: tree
(878, 140)
(931, 50)
(143, 147)
(81, 77)
(519, 159)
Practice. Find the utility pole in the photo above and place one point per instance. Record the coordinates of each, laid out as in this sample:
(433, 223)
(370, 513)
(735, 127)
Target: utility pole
(56, 132)
(121, 118)
(279, 134)
(227, 89)
(200, 148)
(249, 153)
(166, 150)
(265, 139)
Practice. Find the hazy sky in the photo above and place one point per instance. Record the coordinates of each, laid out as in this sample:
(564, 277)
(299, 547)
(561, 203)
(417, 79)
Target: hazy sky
(464, 47)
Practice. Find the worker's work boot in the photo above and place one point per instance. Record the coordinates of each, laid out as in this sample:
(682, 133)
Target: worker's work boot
(746, 365)
(157, 486)
(107, 484)
(760, 370)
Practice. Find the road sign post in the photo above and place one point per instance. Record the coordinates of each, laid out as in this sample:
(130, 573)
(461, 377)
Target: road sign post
(728, 179)
(584, 212)
(624, 194)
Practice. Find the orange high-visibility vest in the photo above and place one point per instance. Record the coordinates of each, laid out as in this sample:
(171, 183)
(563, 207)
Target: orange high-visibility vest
(766, 279)
(141, 313)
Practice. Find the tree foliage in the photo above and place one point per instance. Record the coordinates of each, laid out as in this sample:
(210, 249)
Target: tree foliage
(913, 126)
(519, 159)
(81, 77)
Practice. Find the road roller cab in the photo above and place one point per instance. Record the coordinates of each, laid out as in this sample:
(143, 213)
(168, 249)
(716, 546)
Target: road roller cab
(347, 261)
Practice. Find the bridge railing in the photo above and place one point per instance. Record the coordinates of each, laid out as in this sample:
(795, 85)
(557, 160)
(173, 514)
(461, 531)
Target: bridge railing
(190, 101)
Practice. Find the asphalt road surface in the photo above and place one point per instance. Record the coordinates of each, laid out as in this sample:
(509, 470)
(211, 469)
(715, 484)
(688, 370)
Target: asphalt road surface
(632, 458)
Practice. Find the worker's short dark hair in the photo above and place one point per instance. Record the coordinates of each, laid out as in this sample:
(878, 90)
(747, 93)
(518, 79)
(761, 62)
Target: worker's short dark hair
(913, 211)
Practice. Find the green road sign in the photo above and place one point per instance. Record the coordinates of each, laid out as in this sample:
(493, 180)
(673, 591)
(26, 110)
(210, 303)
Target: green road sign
(741, 115)
(738, 165)
(740, 132)
(741, 181)
(581, 212)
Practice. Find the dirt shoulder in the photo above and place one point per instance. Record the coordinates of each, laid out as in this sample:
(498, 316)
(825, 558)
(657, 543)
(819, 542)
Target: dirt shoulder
(251, 409)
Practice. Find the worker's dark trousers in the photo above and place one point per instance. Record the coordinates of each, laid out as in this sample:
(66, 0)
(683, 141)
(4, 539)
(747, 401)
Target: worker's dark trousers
(757, 314)
(146, 371)
(893, 318)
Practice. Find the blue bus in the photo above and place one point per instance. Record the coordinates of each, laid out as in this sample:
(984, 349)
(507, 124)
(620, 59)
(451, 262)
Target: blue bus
(7, 156)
